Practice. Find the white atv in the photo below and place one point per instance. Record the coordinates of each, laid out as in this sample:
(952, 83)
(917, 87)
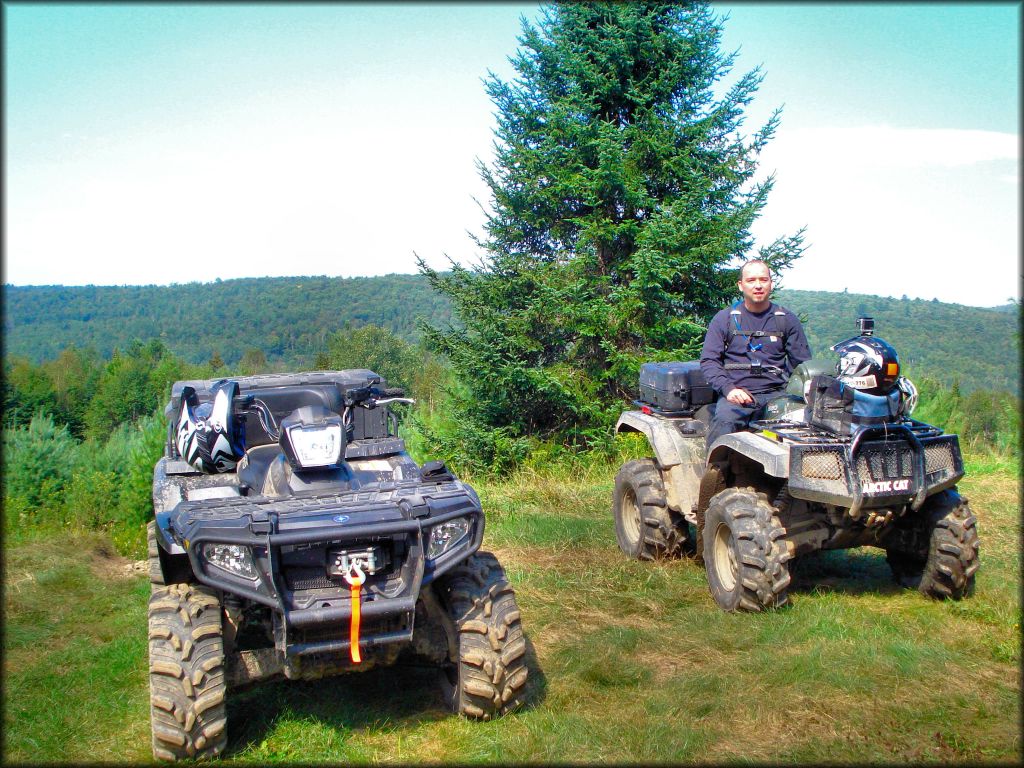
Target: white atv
(813, 474)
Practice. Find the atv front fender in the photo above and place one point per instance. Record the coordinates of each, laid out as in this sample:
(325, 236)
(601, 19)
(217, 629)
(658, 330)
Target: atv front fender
(772, 455)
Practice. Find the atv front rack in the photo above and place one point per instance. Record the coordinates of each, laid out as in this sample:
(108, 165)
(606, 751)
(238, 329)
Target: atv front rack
(801, 432)
(889, 465)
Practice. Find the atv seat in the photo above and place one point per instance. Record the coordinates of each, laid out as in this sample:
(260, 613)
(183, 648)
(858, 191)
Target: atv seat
(252, 470)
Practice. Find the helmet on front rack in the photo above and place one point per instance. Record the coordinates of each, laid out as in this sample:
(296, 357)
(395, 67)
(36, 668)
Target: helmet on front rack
(209, 437)
(868, 364)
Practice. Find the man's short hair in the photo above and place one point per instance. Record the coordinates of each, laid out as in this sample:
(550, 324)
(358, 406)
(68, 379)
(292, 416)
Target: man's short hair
(755, 261)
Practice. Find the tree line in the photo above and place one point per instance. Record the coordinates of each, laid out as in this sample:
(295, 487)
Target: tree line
(284, 319)
(975, 347)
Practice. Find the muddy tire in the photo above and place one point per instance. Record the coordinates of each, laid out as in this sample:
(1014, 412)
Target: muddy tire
(952, 561)
(645, 527)
(187, 684)
(488, 679)
(156, 574)
(945, 565)
(745, 551)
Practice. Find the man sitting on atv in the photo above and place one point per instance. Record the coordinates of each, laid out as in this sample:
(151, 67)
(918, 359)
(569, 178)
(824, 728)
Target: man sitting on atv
(750, 350)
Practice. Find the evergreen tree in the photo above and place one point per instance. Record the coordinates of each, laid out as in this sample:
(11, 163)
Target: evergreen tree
(622, 196)
(28, 392)
(75, 374)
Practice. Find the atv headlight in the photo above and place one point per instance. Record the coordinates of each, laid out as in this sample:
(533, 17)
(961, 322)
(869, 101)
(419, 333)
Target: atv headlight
(232, 558)
(446, 535)
(318, 446)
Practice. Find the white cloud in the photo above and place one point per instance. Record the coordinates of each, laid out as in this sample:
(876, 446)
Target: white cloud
(878, 146)
(892, 211)
(926, 212)
(286, 199)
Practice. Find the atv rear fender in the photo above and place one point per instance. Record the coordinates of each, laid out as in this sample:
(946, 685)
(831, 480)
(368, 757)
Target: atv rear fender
(678, 445)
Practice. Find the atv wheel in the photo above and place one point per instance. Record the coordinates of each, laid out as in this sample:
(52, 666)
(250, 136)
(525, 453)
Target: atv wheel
(487, 678)
(946, 569)
(156, 574)
(644, 525)
(186, 673)
(952, 548)
(906, 568)
(744, 551)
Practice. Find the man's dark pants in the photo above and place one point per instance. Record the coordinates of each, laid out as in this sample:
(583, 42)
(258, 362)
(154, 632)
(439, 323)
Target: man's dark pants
(730, 417)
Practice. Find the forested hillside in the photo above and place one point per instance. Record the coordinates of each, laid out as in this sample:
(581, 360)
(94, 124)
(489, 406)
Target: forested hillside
(980, 347)
(289, 320)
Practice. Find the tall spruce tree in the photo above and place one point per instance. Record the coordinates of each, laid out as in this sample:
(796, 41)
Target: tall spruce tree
(622, 196)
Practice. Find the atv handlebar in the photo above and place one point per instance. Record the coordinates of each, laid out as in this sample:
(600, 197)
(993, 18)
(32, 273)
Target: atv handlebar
(371, 397)
(387, 400)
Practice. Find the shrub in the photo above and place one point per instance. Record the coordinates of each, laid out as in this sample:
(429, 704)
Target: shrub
(135, 502)
(984, 420)
(39, 460)
(91, 499)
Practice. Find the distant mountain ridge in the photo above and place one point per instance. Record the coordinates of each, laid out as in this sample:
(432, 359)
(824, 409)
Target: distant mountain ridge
(977, 346)
(289, 319)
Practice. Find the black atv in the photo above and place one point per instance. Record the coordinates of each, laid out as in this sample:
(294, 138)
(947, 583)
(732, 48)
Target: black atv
(812, 475)
(325, 549)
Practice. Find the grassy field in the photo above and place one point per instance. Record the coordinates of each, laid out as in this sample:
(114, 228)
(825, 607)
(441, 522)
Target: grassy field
(630, 662)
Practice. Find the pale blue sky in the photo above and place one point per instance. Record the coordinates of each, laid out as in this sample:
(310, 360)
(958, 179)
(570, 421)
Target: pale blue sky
(162, 143)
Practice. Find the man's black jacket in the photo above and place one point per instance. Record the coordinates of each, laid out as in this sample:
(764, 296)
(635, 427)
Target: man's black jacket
(737, 337)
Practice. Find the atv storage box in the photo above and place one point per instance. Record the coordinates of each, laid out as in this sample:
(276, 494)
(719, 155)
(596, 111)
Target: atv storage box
(674, 387)
(284, 392)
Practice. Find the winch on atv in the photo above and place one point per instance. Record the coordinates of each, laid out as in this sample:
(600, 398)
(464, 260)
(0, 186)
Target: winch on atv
(829, 467)
(294, 537)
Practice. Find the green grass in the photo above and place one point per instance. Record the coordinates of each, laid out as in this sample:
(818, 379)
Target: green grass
(630, 662)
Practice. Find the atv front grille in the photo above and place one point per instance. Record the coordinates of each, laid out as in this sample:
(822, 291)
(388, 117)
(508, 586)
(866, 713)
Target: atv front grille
(823, 465)
(819, 469)
(938, 457)
(885, 461)
(311, 578)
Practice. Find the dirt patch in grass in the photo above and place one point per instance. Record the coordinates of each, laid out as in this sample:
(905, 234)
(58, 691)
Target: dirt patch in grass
(668, 662)
(26, 564)
(105, 563)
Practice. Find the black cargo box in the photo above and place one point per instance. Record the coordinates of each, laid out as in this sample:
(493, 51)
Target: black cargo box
(675, 387)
